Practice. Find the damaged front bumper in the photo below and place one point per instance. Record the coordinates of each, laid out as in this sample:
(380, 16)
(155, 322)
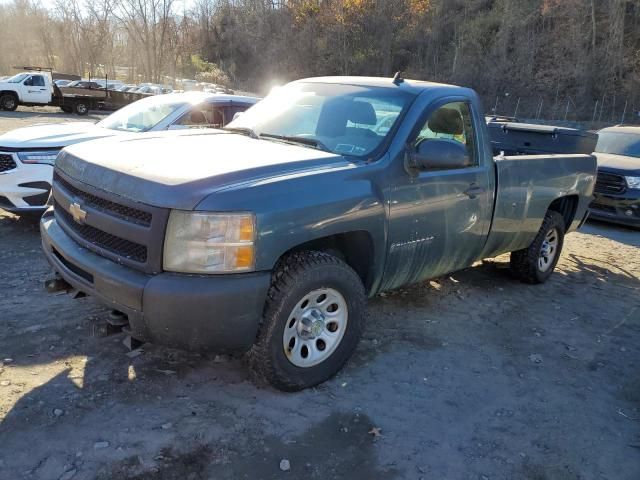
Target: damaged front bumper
(218, 313)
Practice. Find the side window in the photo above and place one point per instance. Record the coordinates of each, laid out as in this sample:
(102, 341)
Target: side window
(231, 111)
(203, 115)
(38, 80)
(452, 121)
(28, 82)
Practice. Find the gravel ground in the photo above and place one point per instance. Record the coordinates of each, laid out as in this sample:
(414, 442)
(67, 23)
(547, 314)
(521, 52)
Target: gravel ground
(470, 376)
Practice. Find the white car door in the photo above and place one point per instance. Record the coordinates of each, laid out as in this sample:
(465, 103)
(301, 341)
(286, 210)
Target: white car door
(35, 90)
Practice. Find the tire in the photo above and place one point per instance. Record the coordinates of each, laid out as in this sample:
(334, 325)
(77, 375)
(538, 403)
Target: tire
(81, 108)
(66, 109)
(8, 102)
(299, 276)
(531, 265)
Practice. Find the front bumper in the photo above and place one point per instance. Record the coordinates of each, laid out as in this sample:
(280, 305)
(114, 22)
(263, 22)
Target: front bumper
(193, 312)
(25, 187)
(623, 209)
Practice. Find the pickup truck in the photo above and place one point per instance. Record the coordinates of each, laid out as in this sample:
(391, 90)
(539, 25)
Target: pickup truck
(33, 89)
(268, 236)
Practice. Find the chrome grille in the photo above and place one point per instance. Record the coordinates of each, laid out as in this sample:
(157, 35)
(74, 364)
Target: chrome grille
(129, 214)
(116, 245)
(125, 231)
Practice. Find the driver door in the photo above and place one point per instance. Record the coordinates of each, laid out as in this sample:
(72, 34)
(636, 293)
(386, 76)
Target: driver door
(35, 90)
(439, 218)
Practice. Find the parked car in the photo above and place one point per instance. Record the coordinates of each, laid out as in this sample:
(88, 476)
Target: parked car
(127, 88)
(110, 84)
(84, 84)
(62, 83)
(149, 89)
(268, 237)
(617, 190)
(27, 155)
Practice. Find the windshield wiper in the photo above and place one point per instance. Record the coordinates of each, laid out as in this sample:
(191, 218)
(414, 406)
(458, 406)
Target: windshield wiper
(307, 142)
(249, 132)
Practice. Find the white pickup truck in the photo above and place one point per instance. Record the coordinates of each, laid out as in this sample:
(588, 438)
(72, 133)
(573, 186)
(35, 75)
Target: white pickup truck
(35, 88)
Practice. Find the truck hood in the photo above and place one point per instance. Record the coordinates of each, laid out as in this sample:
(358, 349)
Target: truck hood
(178, 169)
(53, 135)
(620, 164)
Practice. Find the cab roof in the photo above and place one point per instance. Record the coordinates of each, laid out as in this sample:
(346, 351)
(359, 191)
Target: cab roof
(412, 86)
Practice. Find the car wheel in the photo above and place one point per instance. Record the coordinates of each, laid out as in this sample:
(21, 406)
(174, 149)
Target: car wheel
(312, 321)
(536, 263)
(81, 108)
(8, 102)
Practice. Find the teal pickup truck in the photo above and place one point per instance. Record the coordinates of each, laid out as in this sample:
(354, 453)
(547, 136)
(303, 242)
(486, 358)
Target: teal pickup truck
(268, 236)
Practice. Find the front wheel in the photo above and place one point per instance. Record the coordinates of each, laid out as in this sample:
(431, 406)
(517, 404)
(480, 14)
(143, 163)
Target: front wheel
(536, 263)
(8, 102)
(312, 321)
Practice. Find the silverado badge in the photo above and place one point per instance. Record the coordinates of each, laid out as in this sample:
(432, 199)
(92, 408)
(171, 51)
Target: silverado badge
(77, 213)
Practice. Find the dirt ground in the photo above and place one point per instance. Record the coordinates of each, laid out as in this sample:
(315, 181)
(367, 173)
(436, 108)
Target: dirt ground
(471, 376)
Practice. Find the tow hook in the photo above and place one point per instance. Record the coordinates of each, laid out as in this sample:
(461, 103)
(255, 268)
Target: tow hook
(119, 321)
(57, 284)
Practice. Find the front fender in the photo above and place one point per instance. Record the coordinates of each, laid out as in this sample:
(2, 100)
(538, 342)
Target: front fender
(297, 209)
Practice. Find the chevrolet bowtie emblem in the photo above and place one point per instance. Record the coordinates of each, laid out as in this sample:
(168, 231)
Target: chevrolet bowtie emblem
(77, 213)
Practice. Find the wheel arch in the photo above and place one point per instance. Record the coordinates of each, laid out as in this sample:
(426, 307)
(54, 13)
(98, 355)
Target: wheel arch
(356, 248)
(9, 92)
(567, 206)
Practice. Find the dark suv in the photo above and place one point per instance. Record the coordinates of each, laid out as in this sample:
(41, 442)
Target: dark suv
(617, 190)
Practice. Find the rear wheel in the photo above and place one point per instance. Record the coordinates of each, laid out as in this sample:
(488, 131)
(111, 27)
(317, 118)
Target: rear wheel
(536, 263)
(312, 321)
(8, 102)
(81, 108)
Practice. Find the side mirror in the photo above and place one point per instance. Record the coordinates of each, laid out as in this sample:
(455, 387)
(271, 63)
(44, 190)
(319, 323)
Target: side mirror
(439, 154)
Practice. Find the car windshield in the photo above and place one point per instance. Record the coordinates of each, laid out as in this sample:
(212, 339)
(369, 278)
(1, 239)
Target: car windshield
(142, 115)
(18, 78)
(618, 143)
(344, 119)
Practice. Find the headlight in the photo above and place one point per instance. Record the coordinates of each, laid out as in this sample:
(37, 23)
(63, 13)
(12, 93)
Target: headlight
(47, 157)
(633, 182)
(200, 242)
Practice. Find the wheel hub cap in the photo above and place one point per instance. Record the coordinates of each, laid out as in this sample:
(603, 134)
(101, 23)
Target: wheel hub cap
(548, 250)
(315, 327)
(311, 324)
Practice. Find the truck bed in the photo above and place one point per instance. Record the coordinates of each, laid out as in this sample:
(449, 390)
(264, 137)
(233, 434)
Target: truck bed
(528, 185)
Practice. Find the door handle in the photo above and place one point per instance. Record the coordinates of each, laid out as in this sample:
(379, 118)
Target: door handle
(473, 191)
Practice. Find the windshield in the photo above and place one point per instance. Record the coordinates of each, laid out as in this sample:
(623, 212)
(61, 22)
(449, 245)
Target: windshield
(142, 115)
(343, 119)
(17, 78)
(627, 144)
